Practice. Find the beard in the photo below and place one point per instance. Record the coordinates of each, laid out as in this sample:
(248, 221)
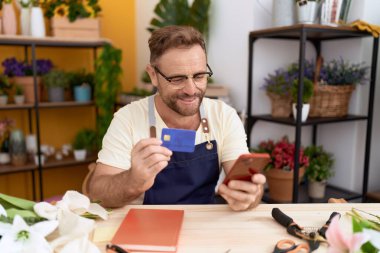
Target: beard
(171, 102)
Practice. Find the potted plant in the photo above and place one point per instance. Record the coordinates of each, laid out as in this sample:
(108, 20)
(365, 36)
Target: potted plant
(5, 87)
(278, 89)
(21, 72)
(83, 143)
(82, 84)
(336, 82)
(306, 96)
(74, 18)
(134, 95)
(56, 81)
(319, 170)
(19, 95)
(279, 171)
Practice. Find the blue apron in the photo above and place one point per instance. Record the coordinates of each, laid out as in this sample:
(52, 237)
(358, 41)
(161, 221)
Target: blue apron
(189, 178)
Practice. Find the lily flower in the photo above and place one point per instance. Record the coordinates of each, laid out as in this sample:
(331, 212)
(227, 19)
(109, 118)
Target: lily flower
(2, 211)
(340, 242)
(75, 202)
(19, 237)
(374, 237)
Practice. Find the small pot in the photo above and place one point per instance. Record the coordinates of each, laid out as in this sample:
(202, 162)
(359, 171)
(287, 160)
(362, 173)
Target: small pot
(19, 99)
(80, 154)
(305, 111)
(317, 189)
(3, 99)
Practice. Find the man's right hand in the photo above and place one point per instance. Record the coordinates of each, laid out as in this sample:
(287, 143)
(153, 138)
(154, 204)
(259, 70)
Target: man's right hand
(148, 158)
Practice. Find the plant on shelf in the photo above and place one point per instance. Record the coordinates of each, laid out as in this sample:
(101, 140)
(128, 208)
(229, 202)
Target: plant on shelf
(19, 94)
(72, 9)
(56, 81)
(134, 95)
(334, 85)
(308, 89)
(82, 83)
(5, 87)
(319, 170)
(107, 85)
(279, 171)
(84, 142)
(179, 12)
(21, 72)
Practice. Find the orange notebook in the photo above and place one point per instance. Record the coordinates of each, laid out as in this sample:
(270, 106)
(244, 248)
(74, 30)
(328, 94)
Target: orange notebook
(149, 230)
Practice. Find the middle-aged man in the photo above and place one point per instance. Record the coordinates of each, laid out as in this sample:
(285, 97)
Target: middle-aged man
(134, 168)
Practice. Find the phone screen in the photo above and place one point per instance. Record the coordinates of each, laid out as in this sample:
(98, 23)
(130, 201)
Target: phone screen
(246, 166)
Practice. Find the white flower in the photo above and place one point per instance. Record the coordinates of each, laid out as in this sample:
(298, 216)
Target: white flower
(2, 211)
(75, 202)
(374, 237)
(19, 237)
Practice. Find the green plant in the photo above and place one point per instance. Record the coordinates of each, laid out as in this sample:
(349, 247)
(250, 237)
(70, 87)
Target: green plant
(139, 92)
(179, 12)
(56, 78)
(320, 163)
(340, 72)
(107, 85)
(5, 85)
(72, 9)
(85, 139)
(19, 90)
(81, 77)
(308, 89)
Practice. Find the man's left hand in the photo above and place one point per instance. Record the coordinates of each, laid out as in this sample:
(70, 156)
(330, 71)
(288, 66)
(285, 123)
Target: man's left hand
(243, 195)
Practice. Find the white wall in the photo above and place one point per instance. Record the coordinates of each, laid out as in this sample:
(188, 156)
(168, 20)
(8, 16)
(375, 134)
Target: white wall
(230, 24)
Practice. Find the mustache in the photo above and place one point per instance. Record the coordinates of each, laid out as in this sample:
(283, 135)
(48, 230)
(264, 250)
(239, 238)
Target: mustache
(184, 96)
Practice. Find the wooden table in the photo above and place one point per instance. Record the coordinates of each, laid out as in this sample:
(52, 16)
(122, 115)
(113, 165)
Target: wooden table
(216, 228)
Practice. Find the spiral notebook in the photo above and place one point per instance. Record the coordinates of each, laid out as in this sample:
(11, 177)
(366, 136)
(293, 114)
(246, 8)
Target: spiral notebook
(155, 230)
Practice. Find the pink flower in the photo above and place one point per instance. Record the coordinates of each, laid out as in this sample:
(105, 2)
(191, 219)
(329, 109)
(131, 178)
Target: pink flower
(340, 242)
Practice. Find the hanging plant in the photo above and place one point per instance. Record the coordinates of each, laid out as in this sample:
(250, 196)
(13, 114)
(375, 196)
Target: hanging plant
(107, 84)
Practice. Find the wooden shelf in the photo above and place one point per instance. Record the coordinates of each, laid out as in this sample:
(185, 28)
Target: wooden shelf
(64, 104)
(20, 40)
(49, 164)
(331, 192)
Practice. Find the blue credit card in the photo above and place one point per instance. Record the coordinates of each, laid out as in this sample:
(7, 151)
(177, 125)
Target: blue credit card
(179, 140)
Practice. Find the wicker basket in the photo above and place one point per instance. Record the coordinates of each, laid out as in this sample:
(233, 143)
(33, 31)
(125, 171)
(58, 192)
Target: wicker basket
(281, 106)
(330, 100)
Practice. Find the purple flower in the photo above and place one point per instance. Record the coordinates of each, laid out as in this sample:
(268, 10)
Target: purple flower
(13, 67)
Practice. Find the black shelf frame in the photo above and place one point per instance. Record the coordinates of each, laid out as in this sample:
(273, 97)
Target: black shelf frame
(314, 34)
(33, 43)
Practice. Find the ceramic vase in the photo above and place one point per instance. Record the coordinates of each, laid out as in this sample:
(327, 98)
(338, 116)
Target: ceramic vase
(25, 21)
(9, 20)
(37, 24)
(17, 148)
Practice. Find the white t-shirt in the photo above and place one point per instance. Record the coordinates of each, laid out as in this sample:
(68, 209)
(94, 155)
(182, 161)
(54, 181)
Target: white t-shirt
(131, 124)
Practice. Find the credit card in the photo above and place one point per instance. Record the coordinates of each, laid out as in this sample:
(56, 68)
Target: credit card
(179, 140)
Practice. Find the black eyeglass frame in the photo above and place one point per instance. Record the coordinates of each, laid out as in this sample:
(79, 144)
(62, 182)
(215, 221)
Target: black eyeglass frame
(170, 78)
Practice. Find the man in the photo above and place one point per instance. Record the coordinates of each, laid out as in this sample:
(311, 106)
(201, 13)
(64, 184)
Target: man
(133, 167)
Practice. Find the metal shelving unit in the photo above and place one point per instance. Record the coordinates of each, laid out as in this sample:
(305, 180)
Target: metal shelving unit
(315, 34)
(32, 44)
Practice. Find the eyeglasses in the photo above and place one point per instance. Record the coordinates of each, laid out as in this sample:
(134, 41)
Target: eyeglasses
(179, 82)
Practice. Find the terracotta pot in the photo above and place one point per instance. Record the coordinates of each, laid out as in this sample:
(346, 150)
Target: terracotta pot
(280, 184)
(27, 83)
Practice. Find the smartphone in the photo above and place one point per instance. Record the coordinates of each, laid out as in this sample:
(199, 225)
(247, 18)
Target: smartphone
(246, 166)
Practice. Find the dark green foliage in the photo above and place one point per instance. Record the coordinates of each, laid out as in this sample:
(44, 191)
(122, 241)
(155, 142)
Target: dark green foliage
(85, 139)
(107, 84)
(80, 77)
(178, 12)
(5, 85)
(308, 89)
(320, 163)
(56, 78)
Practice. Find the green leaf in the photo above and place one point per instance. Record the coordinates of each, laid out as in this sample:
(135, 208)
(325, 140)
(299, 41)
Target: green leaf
(13, 202)
(12, 212)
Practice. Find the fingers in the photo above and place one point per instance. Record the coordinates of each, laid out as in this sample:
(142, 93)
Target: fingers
(242, 195)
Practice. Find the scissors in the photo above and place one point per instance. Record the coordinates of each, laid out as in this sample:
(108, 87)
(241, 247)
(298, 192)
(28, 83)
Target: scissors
(290, 246)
